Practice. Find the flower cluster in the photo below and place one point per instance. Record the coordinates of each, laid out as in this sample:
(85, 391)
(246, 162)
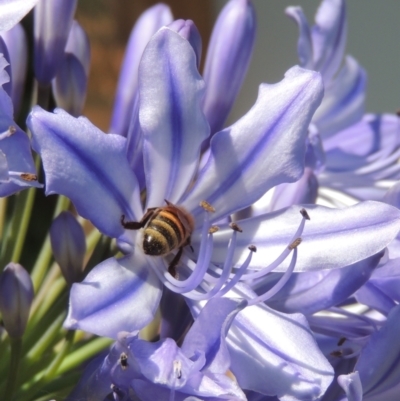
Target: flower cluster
(187, 259)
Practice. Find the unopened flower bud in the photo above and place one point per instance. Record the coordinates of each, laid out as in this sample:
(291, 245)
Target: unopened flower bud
(53, 20)
(16, 295)
(146, 26)
(188, 30)
(228, 58)
(68, 244)
(70, 83)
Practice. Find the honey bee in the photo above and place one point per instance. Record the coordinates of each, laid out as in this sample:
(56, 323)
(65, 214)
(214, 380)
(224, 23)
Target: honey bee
(166, 228)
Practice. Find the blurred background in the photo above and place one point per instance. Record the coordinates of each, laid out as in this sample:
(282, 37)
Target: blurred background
(373, 39)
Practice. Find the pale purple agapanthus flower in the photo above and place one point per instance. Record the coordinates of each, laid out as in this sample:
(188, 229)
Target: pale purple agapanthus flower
(163, 370)
(264, 148)
(94, 172)
(361, 150)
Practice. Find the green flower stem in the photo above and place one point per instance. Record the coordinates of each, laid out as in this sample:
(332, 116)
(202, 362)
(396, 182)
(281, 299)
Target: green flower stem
(82, 354)
(15, 235)
(16, 346)
(45, 341)
(46, 376)
(91, 241)
(53, 274)
(35, 332)
(59, 387)
(42, 263)
(3, 208)
(49, 300)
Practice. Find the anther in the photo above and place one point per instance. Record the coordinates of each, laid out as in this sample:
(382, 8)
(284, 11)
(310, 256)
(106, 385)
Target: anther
(398, 113)
(117, 391)
(235, 227)
(12, 129)
(177, 369)
(213, 229)
(304, 213)
(123, 360)
(28, 177)
(295, 244)
(341, 341)
(206, 206)
(252, 248)
(337, 353)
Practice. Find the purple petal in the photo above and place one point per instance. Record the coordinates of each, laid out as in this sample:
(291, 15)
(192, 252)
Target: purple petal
(52, 24)
(146, 26)
(243, 164)
(7, 68)
(117, 295)
(344, 100)
(332, 238)
(392, 196)
(276, 354)
(329, 37)
(228, 57)
(351, 385)
(303, 191)
(372, 139)
(207, 335)
(170, 116)
(310, 292)
(304, 44)
(387, 278)
(88, 166)
(375, 298)
(12, 11)
(378, 364)
(17, 46)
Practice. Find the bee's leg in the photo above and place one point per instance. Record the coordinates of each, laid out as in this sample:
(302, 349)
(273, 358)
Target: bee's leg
(174, 262)
(136, 225)
(187, 243)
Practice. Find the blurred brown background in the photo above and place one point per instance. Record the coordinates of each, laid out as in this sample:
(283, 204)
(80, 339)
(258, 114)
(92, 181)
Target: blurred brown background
(108, 24)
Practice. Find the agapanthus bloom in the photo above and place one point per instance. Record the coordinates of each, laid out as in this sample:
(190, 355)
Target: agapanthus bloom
(163, 370)
(264, 148)
(361, 151)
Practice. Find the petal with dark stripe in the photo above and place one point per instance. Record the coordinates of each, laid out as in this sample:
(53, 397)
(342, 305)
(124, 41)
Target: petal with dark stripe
(170, 116)
(88, 166)
(117, 295)
(264, 148)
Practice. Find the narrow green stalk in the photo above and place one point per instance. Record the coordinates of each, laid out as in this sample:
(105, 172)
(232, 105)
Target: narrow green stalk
(52, 275)
(46, 376)
(16, 346)
(51, 371)
(15, 236)
(82, 354)
(3, 208)
(24, 223)
(35, 332)
(52, 296)
(47, 338)
(42, 262)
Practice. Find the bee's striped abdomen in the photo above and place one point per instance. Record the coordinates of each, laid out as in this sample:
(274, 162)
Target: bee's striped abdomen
(163, 233)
